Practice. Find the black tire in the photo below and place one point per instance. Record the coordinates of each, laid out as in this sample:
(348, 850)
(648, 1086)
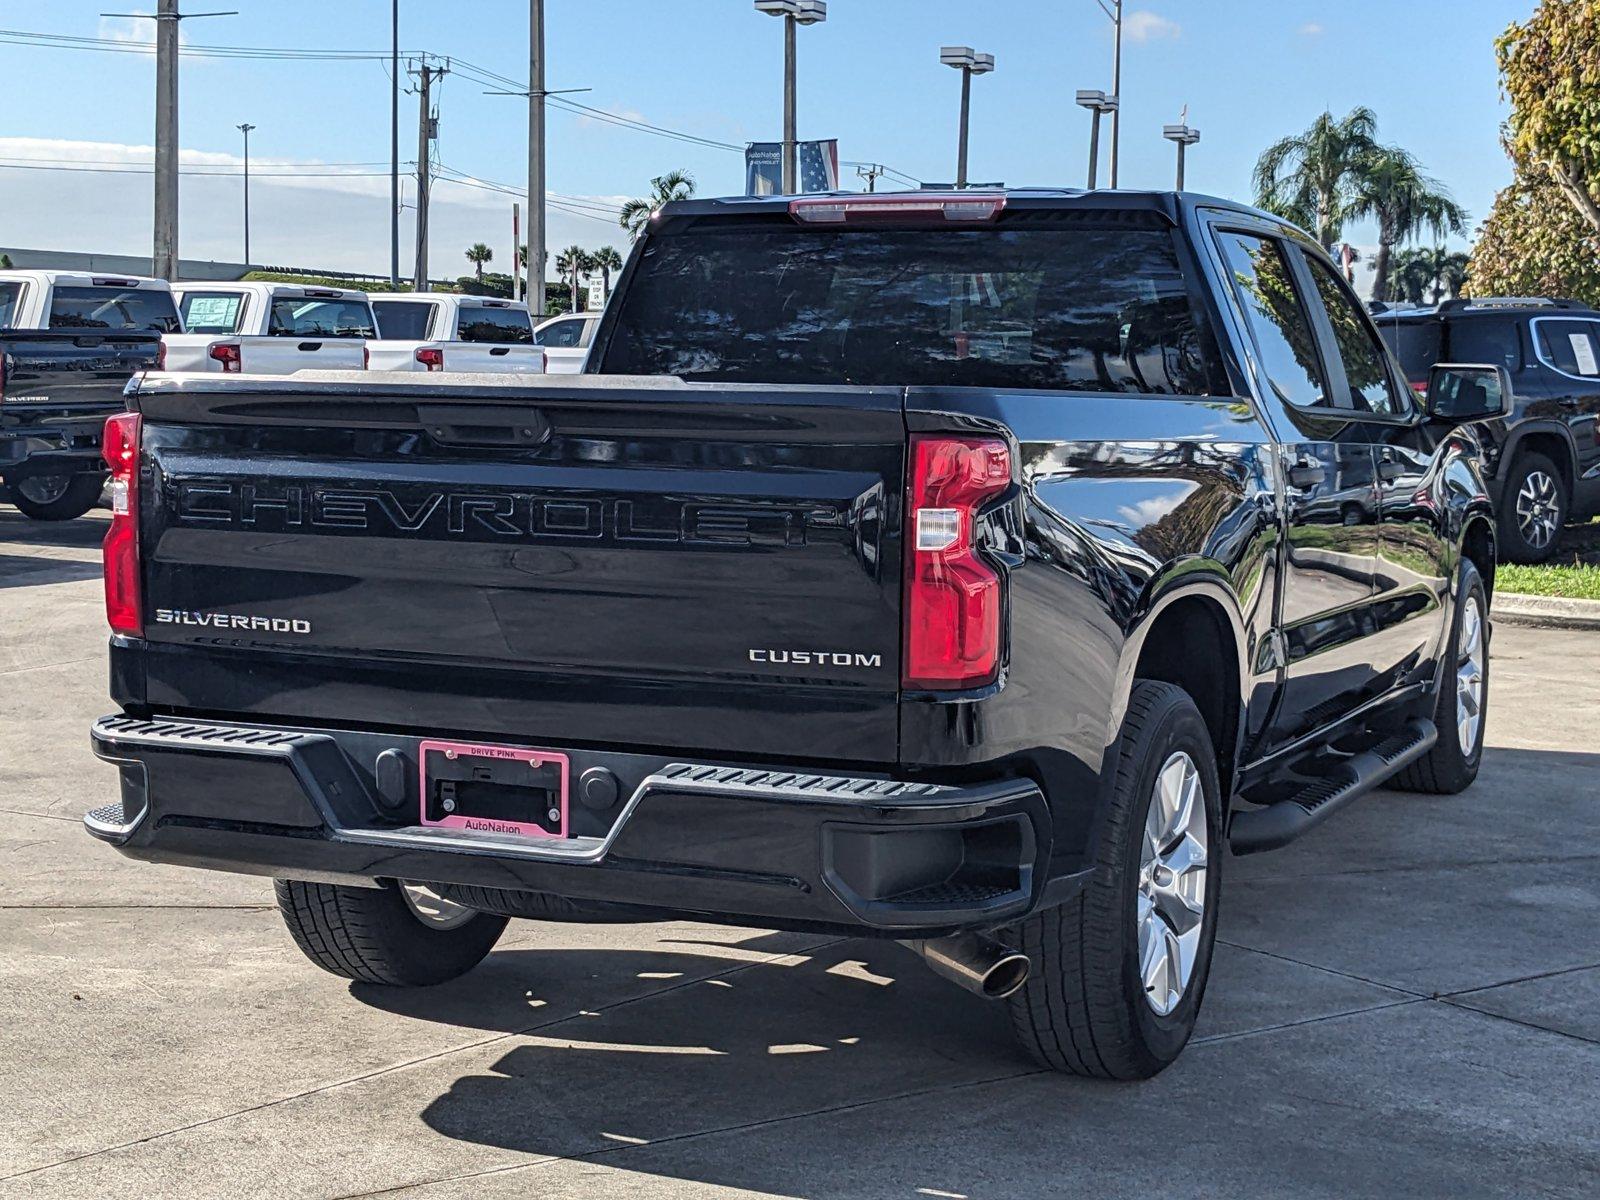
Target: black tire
(371, 934)
(1083, 1009)
(1451, 767)
(80, 495)
(1530, 470)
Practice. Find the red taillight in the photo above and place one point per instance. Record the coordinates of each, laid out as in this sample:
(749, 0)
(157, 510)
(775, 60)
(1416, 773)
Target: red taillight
(227, 353)
(953, 598)
(431, 358)
(366, 356)
(120, 449)
(161, 357)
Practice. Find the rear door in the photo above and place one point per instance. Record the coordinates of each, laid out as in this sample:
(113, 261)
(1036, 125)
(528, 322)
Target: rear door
(643, 563)
(1330, 577)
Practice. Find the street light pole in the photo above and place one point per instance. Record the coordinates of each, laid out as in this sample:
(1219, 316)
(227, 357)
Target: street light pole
(794, 13)
(1116, 90)
(1099, 104)
(536, 181)
(969, 62)
(1184, 136)
(245, 129)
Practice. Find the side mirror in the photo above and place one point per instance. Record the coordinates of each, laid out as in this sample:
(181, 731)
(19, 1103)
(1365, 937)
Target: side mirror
(1465, 392)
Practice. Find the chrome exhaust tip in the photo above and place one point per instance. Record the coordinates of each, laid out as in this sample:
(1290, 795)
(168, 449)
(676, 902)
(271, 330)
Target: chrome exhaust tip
(978, 963)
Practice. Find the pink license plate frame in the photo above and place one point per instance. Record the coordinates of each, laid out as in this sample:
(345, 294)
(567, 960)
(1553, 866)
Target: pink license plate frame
(525, 754)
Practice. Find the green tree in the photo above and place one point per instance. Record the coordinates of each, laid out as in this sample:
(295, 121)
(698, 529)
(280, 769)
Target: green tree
(635, 214)
(1313, 178)
(1550, 70)
(1391, 189)
(478, 254)
(5, 262)
(606, 260)
(1535, 243)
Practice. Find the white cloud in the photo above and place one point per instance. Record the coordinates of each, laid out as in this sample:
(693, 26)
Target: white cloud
(303, 213)
(1312, 29)
(1146, 26)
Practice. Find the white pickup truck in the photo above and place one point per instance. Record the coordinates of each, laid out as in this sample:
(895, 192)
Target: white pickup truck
(566, 341)
(446, 331)
(269, 328)
(85, 300)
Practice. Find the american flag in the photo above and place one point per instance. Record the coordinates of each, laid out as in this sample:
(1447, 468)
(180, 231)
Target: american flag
(818, 164)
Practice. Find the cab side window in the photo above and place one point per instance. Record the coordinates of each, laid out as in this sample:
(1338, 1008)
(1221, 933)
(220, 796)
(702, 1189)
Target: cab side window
(1366, 372)
(1276, 314)
(1571, 347)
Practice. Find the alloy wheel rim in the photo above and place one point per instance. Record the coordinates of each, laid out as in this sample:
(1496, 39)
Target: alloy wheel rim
(1469, 679)
(45, 489)
(432, 909)
(1171, 900)
(1538, 509)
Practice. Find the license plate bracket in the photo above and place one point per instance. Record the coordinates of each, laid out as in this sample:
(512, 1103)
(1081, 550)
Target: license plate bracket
(516, 790)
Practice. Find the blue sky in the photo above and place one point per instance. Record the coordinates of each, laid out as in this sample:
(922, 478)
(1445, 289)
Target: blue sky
(1250, 71)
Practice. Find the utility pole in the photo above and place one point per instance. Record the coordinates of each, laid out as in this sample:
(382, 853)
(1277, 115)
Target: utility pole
(870, 172)
(164, 259)
(245, 129)
(394, 146)
(426, 131)
(536, 95)
(517, 290)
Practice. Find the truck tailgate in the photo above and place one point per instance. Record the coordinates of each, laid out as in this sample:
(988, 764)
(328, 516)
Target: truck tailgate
(625, 562)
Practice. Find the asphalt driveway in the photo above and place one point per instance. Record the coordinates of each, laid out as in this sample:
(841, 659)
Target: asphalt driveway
(1405, 1004)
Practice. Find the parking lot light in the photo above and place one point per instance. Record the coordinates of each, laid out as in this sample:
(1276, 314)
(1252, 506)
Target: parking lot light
(1184, 136)
(969, 62)
(1099, 104)
(794, 13)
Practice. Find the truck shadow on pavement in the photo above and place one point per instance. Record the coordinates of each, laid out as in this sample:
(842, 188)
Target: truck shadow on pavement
(40, 552)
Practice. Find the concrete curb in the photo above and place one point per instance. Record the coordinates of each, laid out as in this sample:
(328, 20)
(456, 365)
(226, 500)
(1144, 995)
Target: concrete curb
(1546, 612)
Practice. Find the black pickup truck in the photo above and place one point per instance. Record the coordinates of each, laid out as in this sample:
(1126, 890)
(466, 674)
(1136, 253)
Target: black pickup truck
(59, 384)
(965, 569)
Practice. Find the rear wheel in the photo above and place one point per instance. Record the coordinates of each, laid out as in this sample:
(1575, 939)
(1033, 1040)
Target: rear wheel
(56, 497)
(401, 935)
(1533, 508)
(1119, 972)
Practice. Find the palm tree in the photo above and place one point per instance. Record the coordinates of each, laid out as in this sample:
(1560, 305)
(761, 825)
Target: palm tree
(1409, 275)
(606, 260)
(1312, 178)
(1393, 190)
(477, 255)
(674, 185)
(572, 264)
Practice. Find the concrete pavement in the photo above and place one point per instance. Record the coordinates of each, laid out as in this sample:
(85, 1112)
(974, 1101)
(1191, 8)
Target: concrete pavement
(1406, 1003)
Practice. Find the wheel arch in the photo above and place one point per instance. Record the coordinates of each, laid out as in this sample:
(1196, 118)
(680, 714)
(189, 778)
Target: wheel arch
(1191, 635)
(1550, 438)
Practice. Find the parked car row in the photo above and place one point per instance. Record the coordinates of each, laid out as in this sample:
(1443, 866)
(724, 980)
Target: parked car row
(69, 342)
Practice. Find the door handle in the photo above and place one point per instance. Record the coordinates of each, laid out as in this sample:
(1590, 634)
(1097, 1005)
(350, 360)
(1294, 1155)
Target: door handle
(1307, 473)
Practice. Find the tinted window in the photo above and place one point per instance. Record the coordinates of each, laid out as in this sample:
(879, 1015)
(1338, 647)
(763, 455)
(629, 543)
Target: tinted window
(303, 316)
(1493, 340)
(211, 312)
(495, 325)
(407, 319)
(1276, 316)
(564, 334)
(1415, 343)
(113, 308)
(1569, 346)
(1366, 373)
(1088, 306)
(10, 299)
